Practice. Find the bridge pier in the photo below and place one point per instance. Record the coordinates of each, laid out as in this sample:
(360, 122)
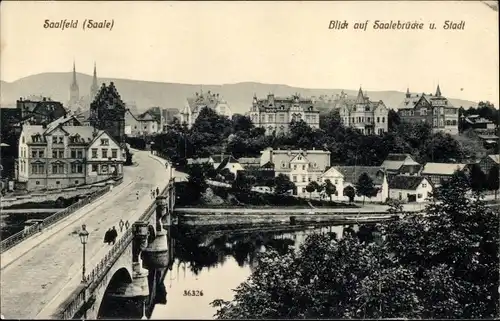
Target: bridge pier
(157, 255)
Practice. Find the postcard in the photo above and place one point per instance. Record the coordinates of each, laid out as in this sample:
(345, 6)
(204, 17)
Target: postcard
(249, 159)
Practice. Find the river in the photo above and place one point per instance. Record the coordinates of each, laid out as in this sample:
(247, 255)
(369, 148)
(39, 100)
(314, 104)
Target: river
(216, 266)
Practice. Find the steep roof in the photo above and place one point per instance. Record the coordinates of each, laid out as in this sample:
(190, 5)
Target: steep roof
(394, 162)
(405, 182)
(352, 173)
(495, 158)
(441, 168)
(410, 169)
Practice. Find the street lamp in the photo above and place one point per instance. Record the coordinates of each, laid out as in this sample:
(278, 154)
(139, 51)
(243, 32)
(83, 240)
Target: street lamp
(84, 237)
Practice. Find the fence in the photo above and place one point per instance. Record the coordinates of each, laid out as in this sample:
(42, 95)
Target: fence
(18, 237)
(95, 277)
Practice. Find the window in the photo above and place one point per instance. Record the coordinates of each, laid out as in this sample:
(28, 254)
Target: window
(76, 182)
(378, 119)
(309, 178)
(54, 168)
(104, 153)
(282, 118)
(76, 168)
(419, 195)
(114, 153)
(271, 118)
(104, 168)
(54, 154)
(94, 152)
(94, 168)
(34, 153)
(61, 153)
(23, 140)
(40, 153)
(79, 153)
(61, 139)
(54, 139)
(424, 185)
(336, 181)
(294, 178)
(383, 119)
(303, 189)
(105, 141)
(303, 178)
(57, 182)
(37, 182)
(73, 153)
(303, 167)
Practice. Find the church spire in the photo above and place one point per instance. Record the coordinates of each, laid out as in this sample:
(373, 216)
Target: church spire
(408, 95)
(94, 88)
(361, 98)
(438, 91)
(74, 83)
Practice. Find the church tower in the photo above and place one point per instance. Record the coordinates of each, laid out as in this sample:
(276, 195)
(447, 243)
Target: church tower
(74, 91)
(95, 87)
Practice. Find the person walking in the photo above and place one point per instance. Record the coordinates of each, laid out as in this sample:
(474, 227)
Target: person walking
(157, 191)
(121, 224)
(127, 224)
(114, 235)
(137, 195)
(107, 236)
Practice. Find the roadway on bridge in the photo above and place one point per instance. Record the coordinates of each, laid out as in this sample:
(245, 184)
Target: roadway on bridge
(35, 280)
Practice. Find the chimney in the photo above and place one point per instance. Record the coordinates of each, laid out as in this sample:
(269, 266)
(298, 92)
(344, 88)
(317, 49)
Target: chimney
(44, 99)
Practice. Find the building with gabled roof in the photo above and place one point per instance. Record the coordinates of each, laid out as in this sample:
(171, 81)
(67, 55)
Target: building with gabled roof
(439, 172)
(301, 166)
(275, 114)
(487, 162)
(369, 117)
(64, 154)
(378, 175)
(435, 110)
(107, 112)
(194, 105)
(410, 189)
(396, 164)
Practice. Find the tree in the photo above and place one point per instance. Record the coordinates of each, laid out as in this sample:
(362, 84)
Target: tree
(365, 187)
(243, 183)
(493, 180)
(393, 120)
(283, 184)
(442, 266)
(330, 189)
(478, 180)
(350, 192)
(311, 187)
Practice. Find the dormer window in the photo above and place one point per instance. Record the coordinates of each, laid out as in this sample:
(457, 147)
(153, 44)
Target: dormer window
(60, 139)
(54, 139)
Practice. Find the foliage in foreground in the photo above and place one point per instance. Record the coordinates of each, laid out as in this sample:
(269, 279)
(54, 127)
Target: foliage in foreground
(444, 266)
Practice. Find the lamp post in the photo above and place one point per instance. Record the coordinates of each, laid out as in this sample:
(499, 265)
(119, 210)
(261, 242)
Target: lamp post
(84, 237)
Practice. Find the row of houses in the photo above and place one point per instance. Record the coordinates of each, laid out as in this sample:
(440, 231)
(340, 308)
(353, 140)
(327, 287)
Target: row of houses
(398, 177)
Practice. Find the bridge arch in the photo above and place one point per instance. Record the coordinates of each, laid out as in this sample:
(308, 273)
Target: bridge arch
(116, 307)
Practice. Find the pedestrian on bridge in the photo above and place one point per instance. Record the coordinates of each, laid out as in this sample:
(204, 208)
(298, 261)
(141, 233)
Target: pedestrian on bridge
(127, 224)
(153, 194)
(121, 224)
(137, 195)
(107, 236)
(157, 191)
(114, 235)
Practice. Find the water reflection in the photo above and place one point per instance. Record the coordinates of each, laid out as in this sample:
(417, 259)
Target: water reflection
(216, 262)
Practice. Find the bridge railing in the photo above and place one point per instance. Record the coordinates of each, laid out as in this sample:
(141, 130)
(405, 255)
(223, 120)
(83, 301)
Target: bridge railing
(95, 277)
(20, 236)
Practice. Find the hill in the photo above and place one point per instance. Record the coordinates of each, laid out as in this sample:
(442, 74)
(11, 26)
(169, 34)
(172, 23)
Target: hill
(172, 95)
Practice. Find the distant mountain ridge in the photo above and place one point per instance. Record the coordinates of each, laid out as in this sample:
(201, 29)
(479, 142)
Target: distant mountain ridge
(147, 94)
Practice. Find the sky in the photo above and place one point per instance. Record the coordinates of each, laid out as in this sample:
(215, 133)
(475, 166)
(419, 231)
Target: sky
(269, 42)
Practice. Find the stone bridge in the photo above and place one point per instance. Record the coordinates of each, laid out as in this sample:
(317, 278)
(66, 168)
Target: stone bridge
(128, 281)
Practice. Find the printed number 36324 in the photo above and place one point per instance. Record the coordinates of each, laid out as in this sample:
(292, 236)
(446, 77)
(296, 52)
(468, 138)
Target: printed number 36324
(193, 292)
